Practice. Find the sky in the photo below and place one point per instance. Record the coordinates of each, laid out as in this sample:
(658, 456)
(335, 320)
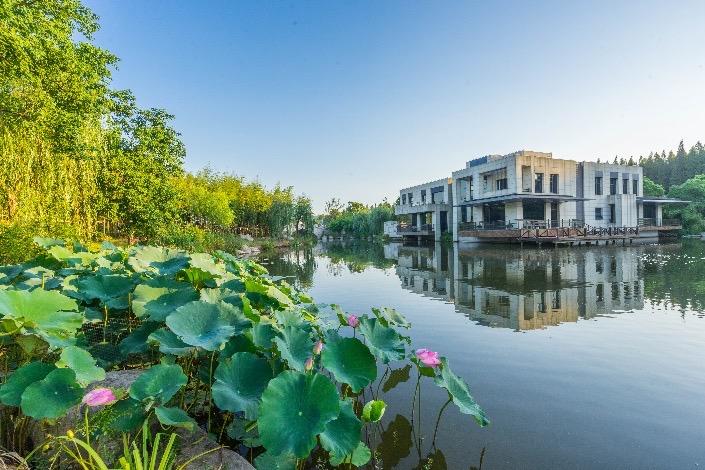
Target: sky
(357, 99)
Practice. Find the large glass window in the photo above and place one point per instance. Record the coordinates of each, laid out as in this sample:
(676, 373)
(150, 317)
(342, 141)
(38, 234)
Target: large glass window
(501, 184)
(625, 186)
(538, 183)
(403, 198)
(423, 196)
(553, 184)
(613, 214)
(598, 185)
(598, 213)
(635, 187)
(613, 186)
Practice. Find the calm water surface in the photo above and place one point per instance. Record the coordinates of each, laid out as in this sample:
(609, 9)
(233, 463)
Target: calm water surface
(582, 357)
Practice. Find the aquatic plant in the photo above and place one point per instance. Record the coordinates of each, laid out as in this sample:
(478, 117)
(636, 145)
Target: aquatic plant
(222, 345)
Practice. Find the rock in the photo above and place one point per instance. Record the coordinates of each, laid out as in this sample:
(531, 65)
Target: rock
(190, 445)
(247, 237)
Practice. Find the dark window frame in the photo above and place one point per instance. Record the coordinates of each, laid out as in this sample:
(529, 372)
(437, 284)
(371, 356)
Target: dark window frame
(635, 187)
(538, 182)
(553, 183)
(598, 213)
(598, 186)
(502, 184)
(625, 185)
(613, 186)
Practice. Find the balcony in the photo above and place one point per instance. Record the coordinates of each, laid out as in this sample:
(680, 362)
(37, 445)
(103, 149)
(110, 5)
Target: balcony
(404, 229)
(416, 208)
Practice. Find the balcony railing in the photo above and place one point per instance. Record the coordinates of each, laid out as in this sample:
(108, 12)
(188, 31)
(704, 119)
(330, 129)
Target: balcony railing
(521, 224)
(651, 222)
(404, 228)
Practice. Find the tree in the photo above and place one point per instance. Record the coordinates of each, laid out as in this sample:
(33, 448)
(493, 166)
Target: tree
(652, 189)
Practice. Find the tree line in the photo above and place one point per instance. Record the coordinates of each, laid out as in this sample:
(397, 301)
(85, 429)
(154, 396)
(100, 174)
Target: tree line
(80, 157)
(356, 219)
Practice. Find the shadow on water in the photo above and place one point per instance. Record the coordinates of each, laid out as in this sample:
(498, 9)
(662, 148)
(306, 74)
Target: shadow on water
(561, 372)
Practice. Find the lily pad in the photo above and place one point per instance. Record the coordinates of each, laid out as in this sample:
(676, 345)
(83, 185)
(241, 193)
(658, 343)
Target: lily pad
(242, 430)
(239, 383)
(342, 435)
(383, 341)
(82, 363)
(350, 361)
(136, 342)
(159, 383)
(390, 315)
(263, 334)
(11, 391)
(269, 461)
(111, 290)
(373, 410)
(460, 393)
(51, 397)
(294, 410)
(272, 292)
(207, 325)
(125, 415)
(159, 297)
(359, 457)
(295, 346)
(174, 417)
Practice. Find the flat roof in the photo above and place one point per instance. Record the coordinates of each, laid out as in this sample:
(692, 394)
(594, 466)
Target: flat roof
(518, 197)
(662, 200)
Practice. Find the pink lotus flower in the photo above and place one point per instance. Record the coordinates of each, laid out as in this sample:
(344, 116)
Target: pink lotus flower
(99, 396)
(318, 347)
(353, 321)
(308, 365)
(428, 357)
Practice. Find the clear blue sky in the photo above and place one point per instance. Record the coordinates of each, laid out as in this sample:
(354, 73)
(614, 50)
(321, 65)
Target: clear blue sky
(355, 99)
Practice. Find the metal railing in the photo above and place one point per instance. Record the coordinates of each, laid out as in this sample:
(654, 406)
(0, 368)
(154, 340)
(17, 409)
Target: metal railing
(532, 224)
(404, 228)
(651, 222)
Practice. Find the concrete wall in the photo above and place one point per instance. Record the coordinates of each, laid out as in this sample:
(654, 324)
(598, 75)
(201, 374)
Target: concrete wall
(625, 204)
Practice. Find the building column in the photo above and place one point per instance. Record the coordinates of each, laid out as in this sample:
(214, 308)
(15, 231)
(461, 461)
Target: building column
(659, 214)
(436, 221)
(456, 223)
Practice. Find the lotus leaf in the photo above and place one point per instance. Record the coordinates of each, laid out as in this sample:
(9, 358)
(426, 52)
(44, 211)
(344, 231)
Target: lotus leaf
(342, 435)
(110, 289)
(460, 393)
(125, 415)
(169, 343)
(241, 430)
(295, 409)
(272, 292)
(51, 397)
(47, 242)
(206, 262)
(268, 461)
(383, 341)
(360, 456)
(373, 410)
(295, 346)
(388, 315)
(263, 334)
(82, 363)
(136, 342)
(158, 383)
(207, 325)
(239, 383)
(11, 391)
(349, 360)
(174, 417)
(157, 260)
(236, 344)
(159, 297)
(49, 314)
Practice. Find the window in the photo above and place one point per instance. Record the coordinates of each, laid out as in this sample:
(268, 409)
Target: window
(411, 197)
(553, 184)
(423, 196)
(526, 179)
(598, 185)
(598, 213)
(625, 186)
(485, 183)
(600, 292)
(501, 184)
(613, 215)
(538, 183)
(635, 187)
(403, 198)
(613, 186)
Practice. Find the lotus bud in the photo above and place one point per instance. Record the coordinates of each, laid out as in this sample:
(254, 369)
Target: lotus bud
(70, 434)
(309, 364)
(428, 357)
(353, 321)
(99, 396)
(318, 347)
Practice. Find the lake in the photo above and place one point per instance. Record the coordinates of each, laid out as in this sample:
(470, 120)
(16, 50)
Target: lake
(589, 357)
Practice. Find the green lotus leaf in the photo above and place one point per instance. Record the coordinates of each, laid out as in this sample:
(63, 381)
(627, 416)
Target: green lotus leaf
(460, 393)
(174, 417)
(342, 435)
(48, 242)
(82, 363)
(125, 415)
(390, 315)
(219, 294)
(158, 383)
(360, 456)
(239, 383)
(294, 410)
(373, 410)
(206, 262)
(110, 289)
(295, 346)
(349, 360)
(106, 354)
(263, 334)
(159, 297)
(383, 341)
(236, 344)
(53, 315)
(72, 258)
(136, 342)
(269, 461)
(207, 325)
(169, 343)
(157, 260)
(11, 391)
(292, 318)
(242, 430)
(272, 292)
(51, 397)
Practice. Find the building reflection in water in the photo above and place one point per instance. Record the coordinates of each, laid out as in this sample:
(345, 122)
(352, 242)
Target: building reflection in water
(502, 286)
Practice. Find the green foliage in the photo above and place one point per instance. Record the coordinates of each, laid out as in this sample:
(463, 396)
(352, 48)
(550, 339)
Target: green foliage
(692, 215)
(673, 168)
(357, 220)
(221, 344)
(653, 189)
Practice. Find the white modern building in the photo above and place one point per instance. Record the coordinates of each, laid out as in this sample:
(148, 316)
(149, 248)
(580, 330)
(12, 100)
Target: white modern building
(528, 190)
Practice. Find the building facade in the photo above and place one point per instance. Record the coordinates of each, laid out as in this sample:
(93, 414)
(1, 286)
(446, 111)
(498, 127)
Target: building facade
(528, 189)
